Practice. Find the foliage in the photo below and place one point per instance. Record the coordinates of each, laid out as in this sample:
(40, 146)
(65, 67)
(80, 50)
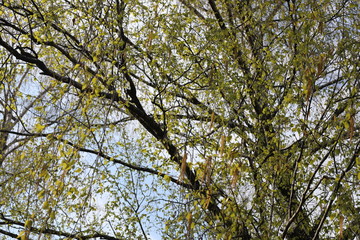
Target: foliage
(192, 119)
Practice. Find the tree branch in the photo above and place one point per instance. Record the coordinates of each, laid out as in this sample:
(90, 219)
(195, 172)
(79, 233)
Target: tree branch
(218, 16)
(77, 236)
(101, 154)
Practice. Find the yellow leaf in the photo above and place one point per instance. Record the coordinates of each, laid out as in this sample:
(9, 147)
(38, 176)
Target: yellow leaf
(28, 223)
(39, 127)
(45, 205)
(59, 183)
(207, 200)
(167, 178)
(39, 108)
(21, 234)
(52, 214)
(41, 194)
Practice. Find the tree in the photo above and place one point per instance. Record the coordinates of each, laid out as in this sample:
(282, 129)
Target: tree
(195, 119)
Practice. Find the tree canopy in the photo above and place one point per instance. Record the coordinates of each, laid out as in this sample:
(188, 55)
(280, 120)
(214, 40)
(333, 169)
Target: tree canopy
(179, 119)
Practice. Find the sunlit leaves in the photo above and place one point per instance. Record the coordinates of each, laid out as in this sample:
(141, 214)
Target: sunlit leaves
(205, 119)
